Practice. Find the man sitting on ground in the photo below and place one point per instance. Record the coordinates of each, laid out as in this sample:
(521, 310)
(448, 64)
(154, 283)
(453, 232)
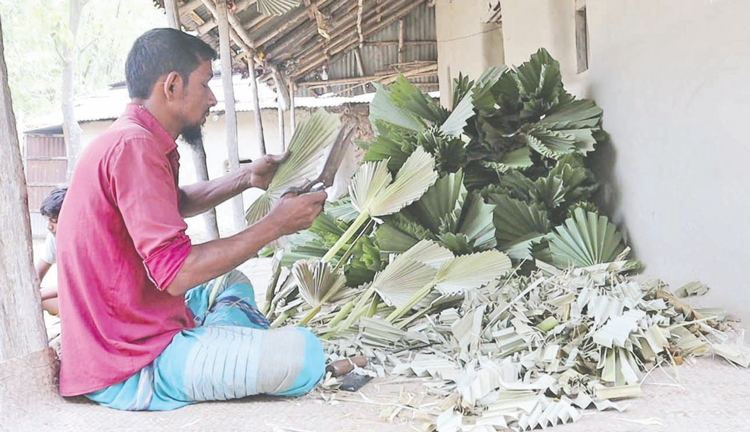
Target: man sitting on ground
(136, 335)
(50, 209)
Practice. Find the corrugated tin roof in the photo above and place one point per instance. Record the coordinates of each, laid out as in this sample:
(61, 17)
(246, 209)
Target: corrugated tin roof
(110, 104)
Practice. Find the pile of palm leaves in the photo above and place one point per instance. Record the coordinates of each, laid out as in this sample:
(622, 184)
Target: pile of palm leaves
(502, 170)
(468, 238)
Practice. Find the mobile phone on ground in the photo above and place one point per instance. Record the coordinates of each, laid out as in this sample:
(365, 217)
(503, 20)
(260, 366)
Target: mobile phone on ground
(353, 382)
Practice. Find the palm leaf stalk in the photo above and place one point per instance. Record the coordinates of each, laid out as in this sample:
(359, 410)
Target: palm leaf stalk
(373, 194)
(405, 274)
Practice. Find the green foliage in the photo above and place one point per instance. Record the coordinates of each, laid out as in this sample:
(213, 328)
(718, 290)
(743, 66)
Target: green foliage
(583, 240)
(510, 158)
(35, 30)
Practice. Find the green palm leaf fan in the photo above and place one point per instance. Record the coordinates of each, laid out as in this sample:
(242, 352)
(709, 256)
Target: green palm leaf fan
(373, 193)
(584, 240)
(276, 7)
(307, 148)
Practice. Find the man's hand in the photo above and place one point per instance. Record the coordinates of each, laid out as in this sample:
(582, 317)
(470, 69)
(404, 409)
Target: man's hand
(297, 212)
(261, 171)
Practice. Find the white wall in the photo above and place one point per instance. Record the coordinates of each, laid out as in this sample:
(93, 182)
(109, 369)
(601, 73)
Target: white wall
(672, 78)
(465, 44)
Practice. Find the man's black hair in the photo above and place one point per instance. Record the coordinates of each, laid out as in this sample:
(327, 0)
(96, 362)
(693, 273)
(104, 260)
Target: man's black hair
(53, 202)
(161, 51)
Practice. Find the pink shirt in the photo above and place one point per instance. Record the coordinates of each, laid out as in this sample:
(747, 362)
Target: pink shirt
(120, 241)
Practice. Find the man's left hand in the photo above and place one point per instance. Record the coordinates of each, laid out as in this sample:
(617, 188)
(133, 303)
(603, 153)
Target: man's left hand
(261, 171)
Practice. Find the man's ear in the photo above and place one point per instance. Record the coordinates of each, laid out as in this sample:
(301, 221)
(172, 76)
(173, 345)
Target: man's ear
(172, 86)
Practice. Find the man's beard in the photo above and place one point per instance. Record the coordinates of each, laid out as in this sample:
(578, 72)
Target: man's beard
(193, 136)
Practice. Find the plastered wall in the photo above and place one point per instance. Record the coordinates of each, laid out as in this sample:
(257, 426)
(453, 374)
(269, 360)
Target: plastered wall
(673, 79)
(465, 44)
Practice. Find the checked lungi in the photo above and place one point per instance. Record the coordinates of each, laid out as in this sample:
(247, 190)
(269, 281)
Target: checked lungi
(232, 353)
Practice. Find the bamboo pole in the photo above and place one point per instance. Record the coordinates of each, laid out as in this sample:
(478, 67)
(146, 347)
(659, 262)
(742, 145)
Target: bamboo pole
(245, 43)
(241, 40)
(429, 69)
(360, 67)
(173, 14)
(282, 139)
(198, 151)
(212, 24)
(282, 99)
(347, 41)
(397, 43)
(401, 34)
(189, 7)
(256, 104)
(293, 19)
(292, 108)
(305, 34)
(238, 208)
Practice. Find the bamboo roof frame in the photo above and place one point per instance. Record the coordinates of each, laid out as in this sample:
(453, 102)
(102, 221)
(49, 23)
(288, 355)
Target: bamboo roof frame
(309, 38)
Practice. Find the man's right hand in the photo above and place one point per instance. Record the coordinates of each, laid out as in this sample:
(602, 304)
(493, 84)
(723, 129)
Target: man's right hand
(297, 212)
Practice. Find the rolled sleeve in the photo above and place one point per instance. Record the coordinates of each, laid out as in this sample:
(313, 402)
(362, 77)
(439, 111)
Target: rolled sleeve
(163, 266)
(146, 193)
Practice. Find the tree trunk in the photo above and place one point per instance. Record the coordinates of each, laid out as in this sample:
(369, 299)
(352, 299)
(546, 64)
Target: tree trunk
(238, 209)
(201, 175)
(27, 365)
(71, 129)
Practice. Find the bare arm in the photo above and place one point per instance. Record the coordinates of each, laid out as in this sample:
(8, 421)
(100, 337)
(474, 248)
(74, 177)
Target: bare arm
(42, 267)
(201, 197)
(212, 259)
(49, 293)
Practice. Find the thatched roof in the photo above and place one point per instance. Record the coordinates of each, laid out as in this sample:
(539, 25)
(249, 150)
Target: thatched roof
(327, 46)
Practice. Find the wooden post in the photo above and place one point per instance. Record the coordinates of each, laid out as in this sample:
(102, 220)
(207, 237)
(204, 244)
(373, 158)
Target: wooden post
(173, 14)
(198, 151)
(282, 96)
(238, 209)
(292, 113)
(28, 369)
(401, 33)
(256, 104)
(282, 139)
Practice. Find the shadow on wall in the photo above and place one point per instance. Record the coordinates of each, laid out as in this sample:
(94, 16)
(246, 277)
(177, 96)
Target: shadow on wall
(602, 162)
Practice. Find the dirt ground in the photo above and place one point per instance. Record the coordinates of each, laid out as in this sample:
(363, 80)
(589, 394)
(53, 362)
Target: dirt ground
(703, 395)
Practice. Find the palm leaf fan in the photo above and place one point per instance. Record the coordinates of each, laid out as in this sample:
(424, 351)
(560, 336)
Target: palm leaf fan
(584, 240)
(374, 195)
(276, 7)
(409, 272)
(307, 148)
(471, 271)
(406, 274)
(456, 275)
(317, 281)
